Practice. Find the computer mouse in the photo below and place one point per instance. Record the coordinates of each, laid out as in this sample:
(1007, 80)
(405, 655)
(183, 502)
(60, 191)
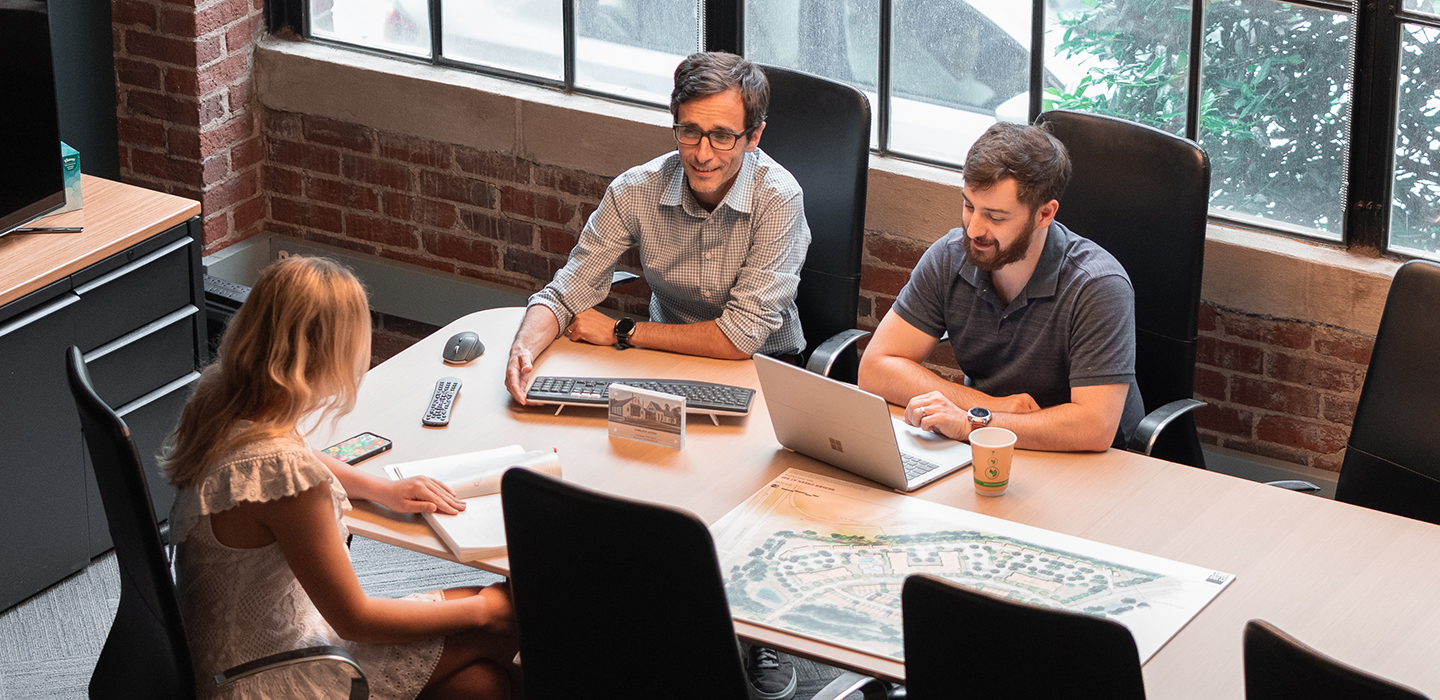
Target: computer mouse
(463, 347)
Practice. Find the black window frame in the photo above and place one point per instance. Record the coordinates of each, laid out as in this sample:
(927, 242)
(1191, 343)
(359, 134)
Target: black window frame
(1374, 109)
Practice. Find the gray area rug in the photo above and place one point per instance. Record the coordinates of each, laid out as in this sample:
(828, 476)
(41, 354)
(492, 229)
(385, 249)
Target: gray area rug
(48, 644)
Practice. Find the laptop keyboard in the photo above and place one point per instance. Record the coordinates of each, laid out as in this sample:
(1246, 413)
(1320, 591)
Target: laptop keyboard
(916, 467)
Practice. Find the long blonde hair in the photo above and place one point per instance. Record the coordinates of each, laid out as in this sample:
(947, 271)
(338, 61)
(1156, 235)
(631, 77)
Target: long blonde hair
(295, 347)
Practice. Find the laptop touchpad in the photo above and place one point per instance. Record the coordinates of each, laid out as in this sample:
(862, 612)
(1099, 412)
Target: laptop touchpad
(924, 443)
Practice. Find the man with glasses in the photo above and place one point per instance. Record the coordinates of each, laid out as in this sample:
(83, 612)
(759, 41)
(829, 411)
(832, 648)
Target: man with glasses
(721, 231)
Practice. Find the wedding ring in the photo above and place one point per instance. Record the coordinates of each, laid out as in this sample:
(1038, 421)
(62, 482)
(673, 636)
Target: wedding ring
(922, 411)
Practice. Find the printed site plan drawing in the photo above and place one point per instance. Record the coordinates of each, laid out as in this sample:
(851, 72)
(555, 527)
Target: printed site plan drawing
(825, 559)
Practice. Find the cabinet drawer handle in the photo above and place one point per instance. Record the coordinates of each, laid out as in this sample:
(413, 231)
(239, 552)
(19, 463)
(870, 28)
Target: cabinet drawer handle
(158, 394)
(131, 267)
(140, 332)
(36, 315)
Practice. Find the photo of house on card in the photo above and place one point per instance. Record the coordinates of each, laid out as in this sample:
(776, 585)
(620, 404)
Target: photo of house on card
(647, 416)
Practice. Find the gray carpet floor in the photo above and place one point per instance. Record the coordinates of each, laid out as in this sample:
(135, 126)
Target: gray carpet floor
(48, 644)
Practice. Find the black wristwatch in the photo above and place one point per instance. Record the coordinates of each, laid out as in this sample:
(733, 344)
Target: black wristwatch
(623, 328)
(979, 417)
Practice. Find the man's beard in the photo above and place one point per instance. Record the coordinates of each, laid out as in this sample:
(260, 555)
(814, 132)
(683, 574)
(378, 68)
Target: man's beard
(1003, 256)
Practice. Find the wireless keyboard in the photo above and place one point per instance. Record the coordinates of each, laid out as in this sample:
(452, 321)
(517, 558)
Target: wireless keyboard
(700, 397)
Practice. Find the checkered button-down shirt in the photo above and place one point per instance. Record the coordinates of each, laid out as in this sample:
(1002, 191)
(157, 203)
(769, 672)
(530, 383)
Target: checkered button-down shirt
(738, 265)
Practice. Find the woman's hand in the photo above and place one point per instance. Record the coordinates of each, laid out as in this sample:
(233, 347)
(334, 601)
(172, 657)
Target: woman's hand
(419, 494)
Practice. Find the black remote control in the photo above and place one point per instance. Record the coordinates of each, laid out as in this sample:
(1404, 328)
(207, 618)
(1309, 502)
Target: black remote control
(438, 414)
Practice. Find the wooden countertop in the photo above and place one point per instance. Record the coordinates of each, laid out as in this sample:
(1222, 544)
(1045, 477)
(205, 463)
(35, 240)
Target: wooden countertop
(115, 217)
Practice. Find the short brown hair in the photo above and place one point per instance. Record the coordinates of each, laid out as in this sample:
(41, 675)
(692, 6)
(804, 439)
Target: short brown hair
(712, 72)
(1030, 155)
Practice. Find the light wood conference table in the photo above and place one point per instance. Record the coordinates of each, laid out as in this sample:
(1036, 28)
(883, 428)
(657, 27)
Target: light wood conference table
(1356, 584)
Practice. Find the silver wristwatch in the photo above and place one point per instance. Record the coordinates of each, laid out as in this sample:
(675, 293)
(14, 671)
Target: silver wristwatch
(979, 417)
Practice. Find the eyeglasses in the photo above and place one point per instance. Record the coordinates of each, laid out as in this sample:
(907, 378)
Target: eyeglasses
(719, 140)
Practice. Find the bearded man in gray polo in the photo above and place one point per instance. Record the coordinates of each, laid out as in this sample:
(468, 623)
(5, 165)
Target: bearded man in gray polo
(1041, 320)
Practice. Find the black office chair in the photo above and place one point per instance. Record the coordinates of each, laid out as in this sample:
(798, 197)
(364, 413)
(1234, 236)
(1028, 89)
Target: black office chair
(1392, 459)
(147, 655)
(600, 582)
(1279, 667)
(1011, 650)
(819, 129)
(1143, 195)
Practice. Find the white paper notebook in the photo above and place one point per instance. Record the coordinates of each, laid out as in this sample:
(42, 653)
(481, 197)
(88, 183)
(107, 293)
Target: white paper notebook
(478, 532)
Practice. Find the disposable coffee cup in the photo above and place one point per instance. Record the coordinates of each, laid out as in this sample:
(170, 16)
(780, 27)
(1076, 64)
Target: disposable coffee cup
(992, 450)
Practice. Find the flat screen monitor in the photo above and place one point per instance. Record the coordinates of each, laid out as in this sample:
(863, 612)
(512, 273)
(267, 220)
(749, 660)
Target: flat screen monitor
(32, 179)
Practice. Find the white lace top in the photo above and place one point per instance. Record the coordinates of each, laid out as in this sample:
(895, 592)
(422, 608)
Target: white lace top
(242, 604)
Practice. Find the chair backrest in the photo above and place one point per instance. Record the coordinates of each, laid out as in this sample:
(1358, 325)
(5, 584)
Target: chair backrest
(607, 587)
(147, 654)
(819, 129)
(1392, 459)
(1279, 667)
(1008, 649)
(1143, 194)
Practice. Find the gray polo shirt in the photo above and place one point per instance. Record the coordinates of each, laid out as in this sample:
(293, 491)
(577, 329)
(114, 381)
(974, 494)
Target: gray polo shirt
(1072, 325)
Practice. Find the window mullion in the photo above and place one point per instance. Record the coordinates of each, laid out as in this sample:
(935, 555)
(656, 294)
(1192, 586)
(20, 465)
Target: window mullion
(1037, 58)
(567, 24)
(882, 77)
(1372, 124)
(435, 31)
(1195, 64)
(725, 26)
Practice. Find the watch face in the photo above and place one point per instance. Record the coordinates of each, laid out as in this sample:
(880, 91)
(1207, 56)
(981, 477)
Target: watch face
(625, 326)
(979, 414)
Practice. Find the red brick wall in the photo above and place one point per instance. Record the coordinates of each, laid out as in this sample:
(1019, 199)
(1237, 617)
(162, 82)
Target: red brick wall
(446, 207)
(1281, 388)
(186, 115)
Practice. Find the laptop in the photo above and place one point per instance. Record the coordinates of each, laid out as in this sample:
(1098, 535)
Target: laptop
(839, 424)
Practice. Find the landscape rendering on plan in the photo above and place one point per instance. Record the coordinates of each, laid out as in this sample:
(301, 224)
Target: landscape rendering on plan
(826, 559)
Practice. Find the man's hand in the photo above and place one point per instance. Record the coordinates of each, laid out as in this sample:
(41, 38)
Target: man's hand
(419, 494)
(934, 412)
(517, 372)
(591, 326)
(1014, 403)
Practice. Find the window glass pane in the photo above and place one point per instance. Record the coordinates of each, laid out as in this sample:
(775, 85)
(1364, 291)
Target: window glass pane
(394, 25)
(1274, 114)
(1415, 203)
(1430, 7)
(631, 47)
(839, 39)
(1122, 58)
(525, 36)
(956, 67)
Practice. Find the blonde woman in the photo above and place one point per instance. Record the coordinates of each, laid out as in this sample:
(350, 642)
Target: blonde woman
(261, 560)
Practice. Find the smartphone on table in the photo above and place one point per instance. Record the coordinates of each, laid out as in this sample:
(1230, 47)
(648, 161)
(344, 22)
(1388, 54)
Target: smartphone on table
(359, 448)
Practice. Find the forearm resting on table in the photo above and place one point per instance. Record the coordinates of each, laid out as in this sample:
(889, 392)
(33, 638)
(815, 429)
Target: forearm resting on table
(704, 339)
(537, 330)
(1087, 424)
(899, 379)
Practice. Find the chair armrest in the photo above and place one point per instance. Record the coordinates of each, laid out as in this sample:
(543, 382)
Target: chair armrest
(620, 277)
(359, 685)
(849, 682)
(1143, 441)
(1294, 485)
(823, 359)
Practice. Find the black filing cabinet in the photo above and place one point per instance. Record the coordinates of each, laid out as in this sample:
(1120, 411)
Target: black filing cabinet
(137, 316)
